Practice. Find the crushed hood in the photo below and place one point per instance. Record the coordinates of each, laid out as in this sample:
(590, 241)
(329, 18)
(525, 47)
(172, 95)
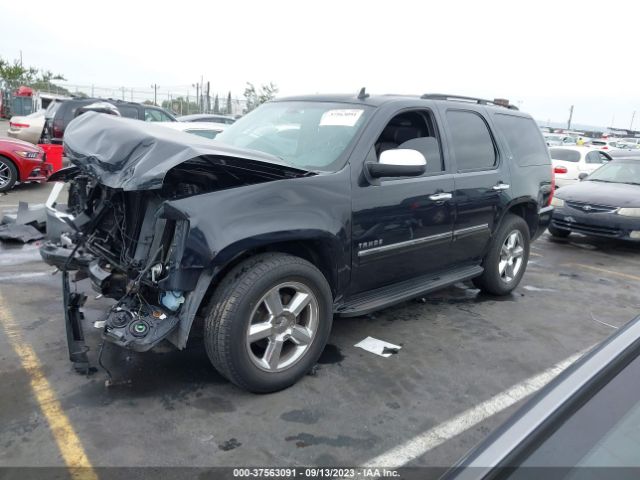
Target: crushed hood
(135, 155)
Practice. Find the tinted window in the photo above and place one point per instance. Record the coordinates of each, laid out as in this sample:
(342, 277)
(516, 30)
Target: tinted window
(153, 115)
(596, 157)
(472, 143)
(524, 140)
(564, 154)
(128, 111)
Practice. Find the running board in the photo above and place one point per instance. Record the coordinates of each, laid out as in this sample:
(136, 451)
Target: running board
(372, 300)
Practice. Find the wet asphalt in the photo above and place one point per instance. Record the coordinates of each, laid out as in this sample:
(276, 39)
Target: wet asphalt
(171, 408)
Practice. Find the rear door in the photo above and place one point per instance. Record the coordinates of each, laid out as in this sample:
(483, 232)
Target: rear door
(482, 182)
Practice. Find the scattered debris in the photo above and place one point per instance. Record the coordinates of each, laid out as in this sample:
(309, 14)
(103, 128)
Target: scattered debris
(379, 347)
(19, 233)
(531, 288)
(35, 215)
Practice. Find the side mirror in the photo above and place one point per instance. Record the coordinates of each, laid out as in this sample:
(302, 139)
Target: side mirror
(399, 162)
(582, 176)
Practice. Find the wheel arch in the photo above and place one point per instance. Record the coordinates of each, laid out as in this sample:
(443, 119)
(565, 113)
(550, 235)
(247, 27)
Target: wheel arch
(527, 209)
(15, 165)
(321, 251)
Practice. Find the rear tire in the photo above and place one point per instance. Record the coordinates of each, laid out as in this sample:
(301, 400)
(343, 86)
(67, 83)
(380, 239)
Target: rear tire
(558, 232)
(8, 174)
(505, 263)
(269, 321)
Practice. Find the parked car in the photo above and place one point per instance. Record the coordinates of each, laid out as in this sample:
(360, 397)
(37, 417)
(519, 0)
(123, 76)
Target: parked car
(603, 143)
(268, 232)
(208, 118)
(583, 424)
(202, 129)
(554, 140)
(570, 162)
(21, 162)
(28, 128)
(630, 142)
(58, 116)
(604, 204)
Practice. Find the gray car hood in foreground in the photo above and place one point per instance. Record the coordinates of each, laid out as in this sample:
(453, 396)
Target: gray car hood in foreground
(135, 155)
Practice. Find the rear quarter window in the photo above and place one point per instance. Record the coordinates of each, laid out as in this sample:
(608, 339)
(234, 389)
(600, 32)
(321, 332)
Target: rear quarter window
(564, 154)
(128, 111)
(523, 139)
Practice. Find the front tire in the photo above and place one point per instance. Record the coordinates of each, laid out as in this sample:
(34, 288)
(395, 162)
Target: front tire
(505, 263)
(269, 321)
(8, 174)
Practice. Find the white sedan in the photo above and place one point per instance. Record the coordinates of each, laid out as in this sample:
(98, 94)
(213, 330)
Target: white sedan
(28, 128)
(569, 162)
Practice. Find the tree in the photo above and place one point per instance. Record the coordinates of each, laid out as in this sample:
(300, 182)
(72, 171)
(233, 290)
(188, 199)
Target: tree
(15, 74)
(229, 110)
(216, 105)
(256, 97)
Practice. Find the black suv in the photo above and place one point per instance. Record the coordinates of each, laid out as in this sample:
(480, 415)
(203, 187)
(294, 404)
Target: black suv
(305, 209)
(59, 114)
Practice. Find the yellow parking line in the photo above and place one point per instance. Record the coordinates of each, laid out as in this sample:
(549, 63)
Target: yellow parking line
(65, 436)
(602, 270)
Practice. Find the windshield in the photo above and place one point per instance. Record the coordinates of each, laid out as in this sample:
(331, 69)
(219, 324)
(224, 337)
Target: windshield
(309, 135)
(618, 171)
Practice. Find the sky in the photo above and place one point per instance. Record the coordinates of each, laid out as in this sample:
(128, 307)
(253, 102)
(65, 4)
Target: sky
(542, 55)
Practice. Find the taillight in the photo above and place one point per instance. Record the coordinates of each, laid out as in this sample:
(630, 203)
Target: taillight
(19, 125)
(553, 184)
(560, 169)
(57, 128)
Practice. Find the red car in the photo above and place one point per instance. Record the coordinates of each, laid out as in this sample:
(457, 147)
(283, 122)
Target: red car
(21, 162)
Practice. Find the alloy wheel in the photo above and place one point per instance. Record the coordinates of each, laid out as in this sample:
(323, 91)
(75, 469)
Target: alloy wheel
(282, 327)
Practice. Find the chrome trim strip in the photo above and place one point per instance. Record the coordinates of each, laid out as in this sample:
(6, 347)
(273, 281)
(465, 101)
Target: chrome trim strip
(408, 243)
(469, 230)
(420, 241)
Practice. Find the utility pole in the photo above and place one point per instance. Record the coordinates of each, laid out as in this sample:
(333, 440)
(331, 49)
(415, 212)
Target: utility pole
(633, 116)
(122, 93)
(155, 93)
(208, 99)
(570, 117)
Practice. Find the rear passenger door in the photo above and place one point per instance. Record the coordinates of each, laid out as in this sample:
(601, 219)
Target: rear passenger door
(481, 181)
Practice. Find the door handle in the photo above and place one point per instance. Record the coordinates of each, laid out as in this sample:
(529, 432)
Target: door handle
(438, 197)
(501, 186)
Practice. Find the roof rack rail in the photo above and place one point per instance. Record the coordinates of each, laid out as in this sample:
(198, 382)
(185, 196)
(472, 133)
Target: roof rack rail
(500, 102)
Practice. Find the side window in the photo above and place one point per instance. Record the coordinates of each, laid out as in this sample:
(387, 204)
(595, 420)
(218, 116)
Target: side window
(523, 139)
(595, 157)
(128, 112)
(471, 141)
(413, 130)
(153, 115)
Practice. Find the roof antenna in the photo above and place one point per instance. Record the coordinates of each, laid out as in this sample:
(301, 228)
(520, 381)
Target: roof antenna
(363, 94)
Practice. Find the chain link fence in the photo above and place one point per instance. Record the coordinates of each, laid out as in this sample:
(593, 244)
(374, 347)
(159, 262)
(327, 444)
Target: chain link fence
(181, 99)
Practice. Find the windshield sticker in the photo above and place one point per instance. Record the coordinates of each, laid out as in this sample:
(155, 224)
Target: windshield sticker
(344, 118)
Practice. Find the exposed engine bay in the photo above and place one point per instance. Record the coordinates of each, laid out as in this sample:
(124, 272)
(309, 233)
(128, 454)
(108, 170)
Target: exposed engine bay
(130, 242)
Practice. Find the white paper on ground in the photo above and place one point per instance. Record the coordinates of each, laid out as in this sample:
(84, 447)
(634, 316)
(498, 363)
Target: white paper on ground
(376, 346)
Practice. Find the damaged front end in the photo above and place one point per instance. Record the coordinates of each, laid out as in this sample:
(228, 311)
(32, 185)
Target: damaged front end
(120, 230)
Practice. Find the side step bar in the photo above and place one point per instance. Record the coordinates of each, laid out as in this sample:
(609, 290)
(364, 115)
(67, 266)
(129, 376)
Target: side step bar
(372, 300)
